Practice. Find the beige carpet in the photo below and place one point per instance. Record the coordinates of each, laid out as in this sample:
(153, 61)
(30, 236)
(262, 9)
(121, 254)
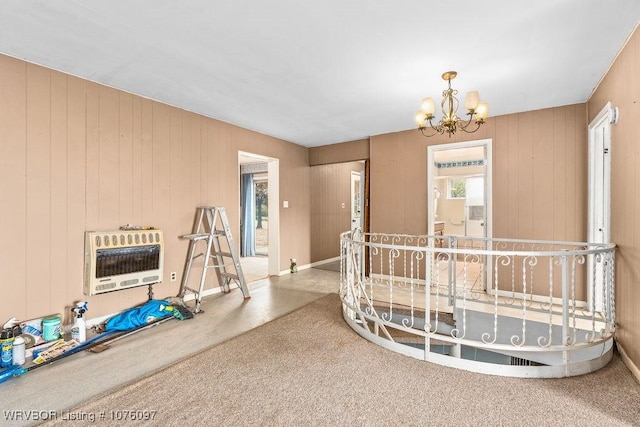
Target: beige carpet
(310, 368)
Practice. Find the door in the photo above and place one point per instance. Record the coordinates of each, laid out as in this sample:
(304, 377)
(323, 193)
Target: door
(599, 229)
(474, 207)
(357, 196)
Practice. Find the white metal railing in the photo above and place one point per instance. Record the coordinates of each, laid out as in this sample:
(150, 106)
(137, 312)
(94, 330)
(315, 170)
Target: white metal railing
(501, 306)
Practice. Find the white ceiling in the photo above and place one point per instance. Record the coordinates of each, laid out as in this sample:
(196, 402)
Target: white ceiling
(329, 71)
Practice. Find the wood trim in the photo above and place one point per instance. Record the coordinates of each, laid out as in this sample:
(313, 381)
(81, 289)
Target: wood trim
(635, 371)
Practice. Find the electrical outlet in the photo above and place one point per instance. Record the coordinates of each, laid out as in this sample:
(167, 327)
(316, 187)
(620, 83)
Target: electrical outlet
(173, 276)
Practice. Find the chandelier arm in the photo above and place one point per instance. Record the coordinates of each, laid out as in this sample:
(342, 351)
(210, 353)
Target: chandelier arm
(436, 130)
(464, 126)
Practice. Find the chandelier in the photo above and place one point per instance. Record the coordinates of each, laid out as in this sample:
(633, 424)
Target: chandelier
(450, 122)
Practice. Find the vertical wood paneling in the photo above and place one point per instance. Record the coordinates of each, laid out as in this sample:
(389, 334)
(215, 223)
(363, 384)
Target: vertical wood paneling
(146, 161)
(227, 166)
(500, 192)
(58, 190)
(108, 172)
(543, 183)
(559, 181)
(330, 187)
(125, 161)
(176, 179)
(13, 183)
(415, 177)
(630, 309)
(78, 156)
(570, 145)
(161, 184)
(76, 187)
(525, 176)
(108, 159)
(38, 202)
(625, 154)
(513, 196)
(210, 142)
(92, 165)
(136, 160)
(581, 182)
(530, 158)
(204, 162)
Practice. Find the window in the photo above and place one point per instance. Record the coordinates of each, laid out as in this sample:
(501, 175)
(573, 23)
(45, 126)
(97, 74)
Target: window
(456, 188)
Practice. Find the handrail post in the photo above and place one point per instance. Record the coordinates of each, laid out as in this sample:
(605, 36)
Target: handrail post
(452, 272)
(565, 300)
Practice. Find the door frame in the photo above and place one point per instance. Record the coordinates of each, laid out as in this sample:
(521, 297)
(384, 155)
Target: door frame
(599, 226)
(488, 182)
(359, 177)
(273, 194)
(488, 194)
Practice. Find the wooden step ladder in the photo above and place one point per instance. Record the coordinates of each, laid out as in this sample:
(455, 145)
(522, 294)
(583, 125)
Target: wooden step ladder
(212, 228)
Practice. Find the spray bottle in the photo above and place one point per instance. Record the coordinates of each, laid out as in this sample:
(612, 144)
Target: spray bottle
(79, 328)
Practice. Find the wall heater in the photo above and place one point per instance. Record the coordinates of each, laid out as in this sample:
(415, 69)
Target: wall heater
(122, 259)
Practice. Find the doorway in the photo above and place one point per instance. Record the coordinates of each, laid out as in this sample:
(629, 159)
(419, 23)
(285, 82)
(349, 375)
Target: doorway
(357, 196)
(599, 228)
(459, 193)
(259, 215)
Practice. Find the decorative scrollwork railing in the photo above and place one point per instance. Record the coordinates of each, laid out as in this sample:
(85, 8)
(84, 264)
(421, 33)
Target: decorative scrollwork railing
(548, 305)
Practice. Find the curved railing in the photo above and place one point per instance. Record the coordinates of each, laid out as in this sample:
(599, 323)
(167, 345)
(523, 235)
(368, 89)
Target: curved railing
(499, 306)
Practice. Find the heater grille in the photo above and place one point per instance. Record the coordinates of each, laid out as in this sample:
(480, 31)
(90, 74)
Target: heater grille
(122, 259)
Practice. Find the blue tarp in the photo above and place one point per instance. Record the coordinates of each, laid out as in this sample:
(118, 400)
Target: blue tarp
(139, 316)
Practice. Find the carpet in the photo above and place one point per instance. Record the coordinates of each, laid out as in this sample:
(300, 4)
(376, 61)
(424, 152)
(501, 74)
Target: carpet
(310, 368)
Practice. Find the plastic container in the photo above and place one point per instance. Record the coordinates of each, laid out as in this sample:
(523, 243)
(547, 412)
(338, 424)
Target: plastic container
(79, 328)
(18, 351)
(51, 328)
(6, 348)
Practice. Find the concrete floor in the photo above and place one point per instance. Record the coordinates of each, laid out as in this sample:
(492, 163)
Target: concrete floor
(79, 377)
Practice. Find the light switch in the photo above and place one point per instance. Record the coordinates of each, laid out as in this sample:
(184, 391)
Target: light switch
(343, 206)
(285, 204)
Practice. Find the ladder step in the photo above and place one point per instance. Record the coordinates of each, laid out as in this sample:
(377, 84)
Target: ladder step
(225, 254)
(195, 236)
(203, 236)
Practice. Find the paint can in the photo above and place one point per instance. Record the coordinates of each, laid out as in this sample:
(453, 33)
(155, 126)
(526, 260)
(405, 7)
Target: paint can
(51, 328)
(6, 348)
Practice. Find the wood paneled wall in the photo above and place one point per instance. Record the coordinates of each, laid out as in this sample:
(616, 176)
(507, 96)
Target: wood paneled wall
(621, 86)
(76, 156)
(539, 176)
(337, 153)
(330, 187)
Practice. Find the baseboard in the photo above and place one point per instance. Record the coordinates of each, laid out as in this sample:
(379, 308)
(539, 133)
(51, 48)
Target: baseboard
(95, 321)
(628, 362)
(325, 261)
(313, 264)
(207, 292)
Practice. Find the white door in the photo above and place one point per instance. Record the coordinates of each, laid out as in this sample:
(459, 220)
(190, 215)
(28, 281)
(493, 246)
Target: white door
(599, 196)
(474, 207)
(357, 195)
